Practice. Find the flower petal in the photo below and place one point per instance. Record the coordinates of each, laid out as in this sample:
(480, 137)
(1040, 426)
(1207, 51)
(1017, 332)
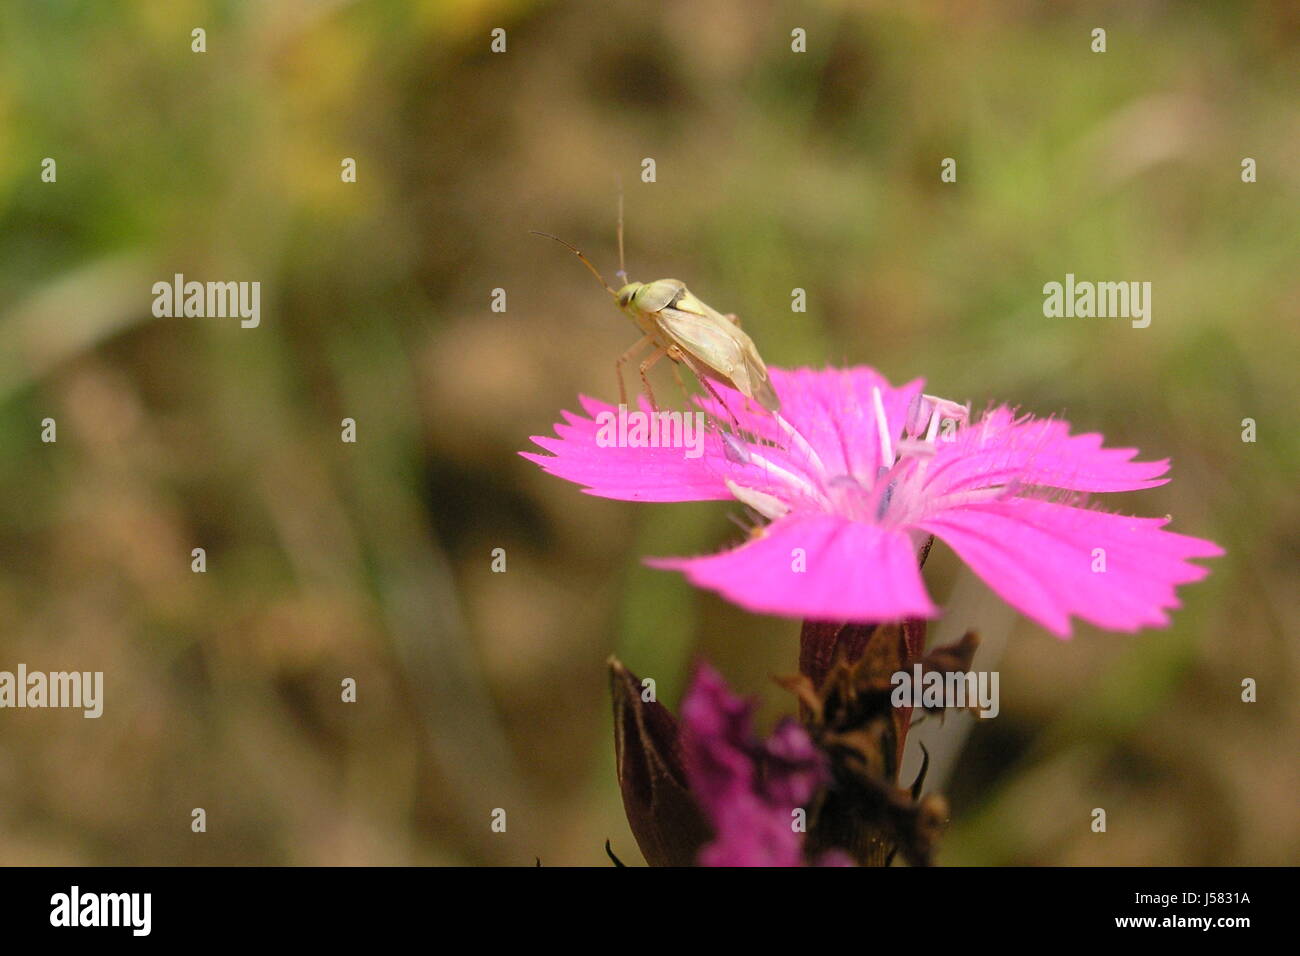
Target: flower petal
(852, 571)
(630, 473)
(1039, 557)
(1001, 449)
(747, 788)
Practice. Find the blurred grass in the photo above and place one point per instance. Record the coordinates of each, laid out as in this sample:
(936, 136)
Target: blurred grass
(775, 171)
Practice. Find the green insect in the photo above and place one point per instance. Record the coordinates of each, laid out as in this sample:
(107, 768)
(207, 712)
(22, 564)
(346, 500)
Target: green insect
(678, 325)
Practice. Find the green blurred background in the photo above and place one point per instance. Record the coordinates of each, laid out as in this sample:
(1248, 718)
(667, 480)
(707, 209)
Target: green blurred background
(775, 170)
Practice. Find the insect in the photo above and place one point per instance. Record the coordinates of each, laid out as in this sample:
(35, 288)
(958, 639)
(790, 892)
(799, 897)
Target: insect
(678, 325)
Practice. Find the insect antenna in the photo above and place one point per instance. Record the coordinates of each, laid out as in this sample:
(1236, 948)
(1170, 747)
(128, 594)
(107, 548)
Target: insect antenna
(622, 266)
(577, 252)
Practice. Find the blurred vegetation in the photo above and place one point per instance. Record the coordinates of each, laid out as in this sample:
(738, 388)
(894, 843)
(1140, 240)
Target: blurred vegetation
(372, 561)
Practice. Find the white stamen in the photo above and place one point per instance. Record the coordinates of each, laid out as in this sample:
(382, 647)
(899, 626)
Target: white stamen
(789, 477)
(797, 439)
(769, 506)
(933, 430)
(882, 429)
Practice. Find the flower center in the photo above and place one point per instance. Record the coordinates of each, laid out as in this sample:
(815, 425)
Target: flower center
(890, 496)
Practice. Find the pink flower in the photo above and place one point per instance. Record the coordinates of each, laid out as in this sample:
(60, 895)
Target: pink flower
(748, 789)
(854, 476)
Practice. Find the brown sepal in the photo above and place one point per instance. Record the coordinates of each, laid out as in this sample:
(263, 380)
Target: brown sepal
(664, 818)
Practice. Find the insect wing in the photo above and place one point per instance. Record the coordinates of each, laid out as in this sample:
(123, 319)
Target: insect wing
(707, 339)
(720, 345)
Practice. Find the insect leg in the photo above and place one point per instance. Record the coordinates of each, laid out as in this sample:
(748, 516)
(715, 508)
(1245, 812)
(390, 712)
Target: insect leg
(645, 367)
(622, 359)
(679, 355)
